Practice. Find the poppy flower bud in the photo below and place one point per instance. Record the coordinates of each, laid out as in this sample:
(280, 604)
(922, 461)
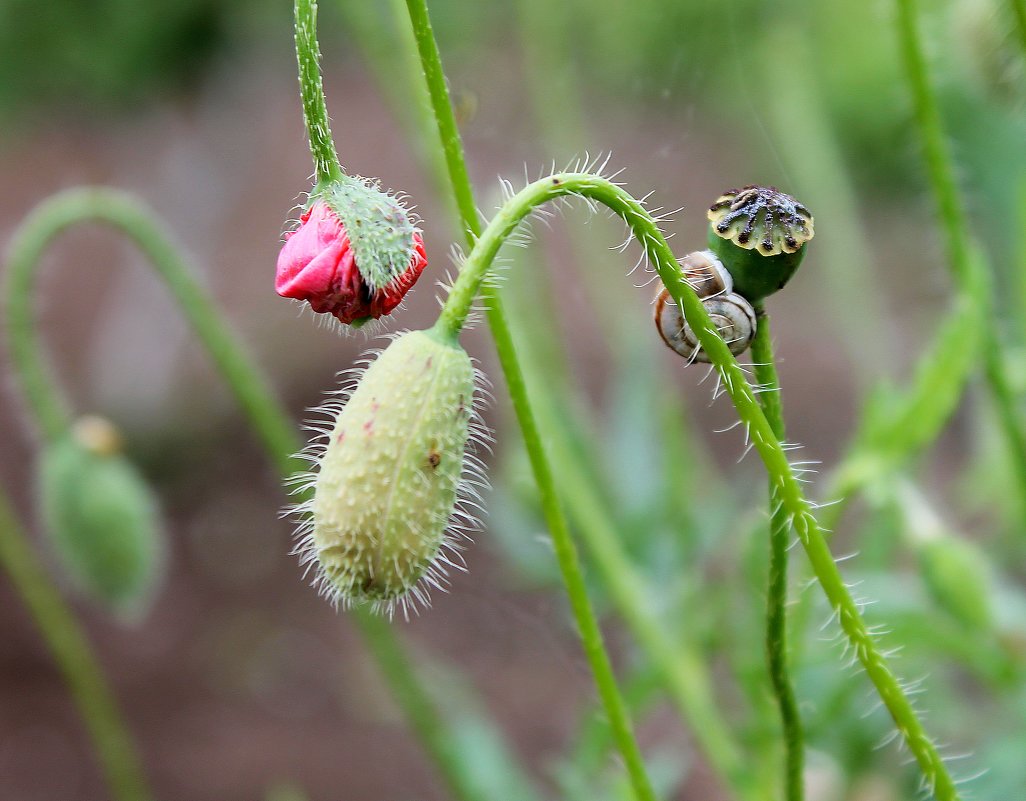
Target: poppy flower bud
(100, 516)
(759, 233)
(355, 254)
(388, 475)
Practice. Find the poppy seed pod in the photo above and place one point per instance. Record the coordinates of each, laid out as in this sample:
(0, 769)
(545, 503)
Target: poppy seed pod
(355, 254)
(388, 473)
(759, 233)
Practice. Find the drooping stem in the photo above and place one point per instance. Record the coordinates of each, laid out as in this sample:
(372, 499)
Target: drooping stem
(315, 110)
(127, 215)
(785, 484)
(82, 672)
(776, 591)
(958, 240)
(265, 413)
(566, 552)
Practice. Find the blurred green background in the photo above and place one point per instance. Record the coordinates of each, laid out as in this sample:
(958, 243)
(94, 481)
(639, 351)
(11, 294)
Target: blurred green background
(238, 681)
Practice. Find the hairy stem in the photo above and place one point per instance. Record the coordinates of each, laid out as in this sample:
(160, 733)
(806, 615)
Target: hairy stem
(566, 552)
(776, 591)
(315, 110)
(79, 666)
(958, 240)
(265, 413)
(784, 483)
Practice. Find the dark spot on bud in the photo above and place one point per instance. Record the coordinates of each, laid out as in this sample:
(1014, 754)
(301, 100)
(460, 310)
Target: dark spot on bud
(555, 181)
(434, 458)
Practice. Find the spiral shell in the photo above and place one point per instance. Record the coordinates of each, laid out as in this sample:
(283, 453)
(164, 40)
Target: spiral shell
(732, 315)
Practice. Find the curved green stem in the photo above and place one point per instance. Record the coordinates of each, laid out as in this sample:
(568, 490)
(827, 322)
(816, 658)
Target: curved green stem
(958, 240)
(784, 483)
(127, 215)
(264, 411)
(684, 675)
(315, 111)
(776, 591)
(566, 553)
(82, 672)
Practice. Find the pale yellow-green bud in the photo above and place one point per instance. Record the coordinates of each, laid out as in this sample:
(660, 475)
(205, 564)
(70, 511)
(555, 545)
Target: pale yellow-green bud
(386, 483)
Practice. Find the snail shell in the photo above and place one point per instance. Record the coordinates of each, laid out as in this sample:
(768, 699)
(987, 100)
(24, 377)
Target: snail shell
(732, 315)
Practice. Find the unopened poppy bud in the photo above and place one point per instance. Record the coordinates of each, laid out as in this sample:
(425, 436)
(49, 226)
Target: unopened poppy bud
(355, 254)
(387, 478)
(100, 516)
(759, 233)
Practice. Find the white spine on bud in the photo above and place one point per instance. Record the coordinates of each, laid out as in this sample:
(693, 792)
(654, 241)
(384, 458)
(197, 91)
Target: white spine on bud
(389, 474)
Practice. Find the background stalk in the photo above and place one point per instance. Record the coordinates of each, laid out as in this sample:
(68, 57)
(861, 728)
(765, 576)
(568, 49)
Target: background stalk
(111, 739)
(776, 590)
(263, 410)
(957, 236)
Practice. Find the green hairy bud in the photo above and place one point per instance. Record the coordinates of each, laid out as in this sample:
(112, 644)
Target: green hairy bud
(380, 229)
(100, 516)
(388, 475)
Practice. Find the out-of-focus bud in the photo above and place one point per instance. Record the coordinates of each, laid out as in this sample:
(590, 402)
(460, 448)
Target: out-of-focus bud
(387, 479)
(100, 516)
(355, 254)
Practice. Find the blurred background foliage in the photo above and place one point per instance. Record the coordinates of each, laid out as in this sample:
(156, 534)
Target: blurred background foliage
(691, 97)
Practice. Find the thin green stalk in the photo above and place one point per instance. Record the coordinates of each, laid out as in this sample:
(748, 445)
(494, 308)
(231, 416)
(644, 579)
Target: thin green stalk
(785, 484)
(776, 592)
(82, 672)
(676, 659)
(265, 413)
(1019, 11)
(955, 224)
(315, 111)
(556, 110)
(566, 552)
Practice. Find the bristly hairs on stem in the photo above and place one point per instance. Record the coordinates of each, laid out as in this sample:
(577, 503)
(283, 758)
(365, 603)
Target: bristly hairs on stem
(785, 484)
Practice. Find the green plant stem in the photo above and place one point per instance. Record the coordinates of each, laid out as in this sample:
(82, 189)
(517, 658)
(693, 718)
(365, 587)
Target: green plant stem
(265, 413)
(1019, 11)
(785, 484)
(315, 111)
(82, 672)
(127, 215)
(958, 240)
(566, 552)
(776, 591)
